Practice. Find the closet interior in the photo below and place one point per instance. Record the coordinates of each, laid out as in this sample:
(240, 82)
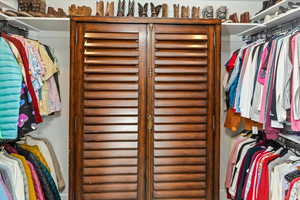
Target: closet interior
(178, 100)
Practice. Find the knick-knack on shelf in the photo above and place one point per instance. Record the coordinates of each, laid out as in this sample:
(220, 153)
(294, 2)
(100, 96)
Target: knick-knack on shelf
(208, 12)
(222, 13)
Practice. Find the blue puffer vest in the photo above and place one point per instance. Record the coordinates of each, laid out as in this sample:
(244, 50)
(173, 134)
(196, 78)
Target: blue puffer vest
(10, 92)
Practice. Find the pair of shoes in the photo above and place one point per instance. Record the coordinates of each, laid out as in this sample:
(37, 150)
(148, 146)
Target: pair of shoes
(234, 18)
(244, 18)
(53, 13)
(80, 10)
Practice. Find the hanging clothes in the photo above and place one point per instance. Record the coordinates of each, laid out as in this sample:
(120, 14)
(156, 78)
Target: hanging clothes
(28, 84)
(261, 170)
(263, 84)
(26, 172)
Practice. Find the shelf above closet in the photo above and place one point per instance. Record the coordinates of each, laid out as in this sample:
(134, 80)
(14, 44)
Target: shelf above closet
(15, 22)
(289, 16)
(236, 28)
(46, 23)
(271, 10)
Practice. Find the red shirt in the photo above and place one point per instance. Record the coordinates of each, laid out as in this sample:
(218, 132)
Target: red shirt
(263, 189)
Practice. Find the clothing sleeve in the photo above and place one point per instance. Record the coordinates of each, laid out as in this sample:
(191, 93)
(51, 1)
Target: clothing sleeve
(296, 82)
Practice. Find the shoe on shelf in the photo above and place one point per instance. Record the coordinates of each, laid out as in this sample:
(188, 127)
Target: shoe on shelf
(234, 18)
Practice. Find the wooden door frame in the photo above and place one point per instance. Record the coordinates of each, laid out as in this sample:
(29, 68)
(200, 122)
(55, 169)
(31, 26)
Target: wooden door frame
(217, 111)
(75, 134)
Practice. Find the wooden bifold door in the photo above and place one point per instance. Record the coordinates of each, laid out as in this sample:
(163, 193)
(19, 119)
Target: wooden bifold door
(144, 109)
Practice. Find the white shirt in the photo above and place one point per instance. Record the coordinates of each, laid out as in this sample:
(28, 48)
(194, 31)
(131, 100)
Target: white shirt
(296, 80)
(17, 182)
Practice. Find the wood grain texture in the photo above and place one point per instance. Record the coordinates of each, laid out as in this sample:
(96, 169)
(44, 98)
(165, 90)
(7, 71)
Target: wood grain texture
(125, 144)
(113, 112)
(182, 98)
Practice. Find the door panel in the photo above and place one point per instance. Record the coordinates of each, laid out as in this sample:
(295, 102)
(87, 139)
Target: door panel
(112, 110)
(180, 107)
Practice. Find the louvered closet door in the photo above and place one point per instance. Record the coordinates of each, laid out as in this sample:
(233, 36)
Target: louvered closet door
(110, 162)
(182, 100)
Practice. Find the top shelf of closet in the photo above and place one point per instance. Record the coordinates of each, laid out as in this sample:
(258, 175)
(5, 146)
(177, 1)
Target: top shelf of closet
(289, 16)
(236, 28)
(16, 22)
(47, 23)
(63, 24)
(271, 10)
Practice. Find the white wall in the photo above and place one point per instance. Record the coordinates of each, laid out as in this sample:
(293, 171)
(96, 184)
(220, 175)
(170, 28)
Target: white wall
(56, 128)
(229, 44)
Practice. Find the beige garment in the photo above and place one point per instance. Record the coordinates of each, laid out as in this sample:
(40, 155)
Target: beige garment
(44, 101)
(50, 67)
(60, 179)
(46, 153)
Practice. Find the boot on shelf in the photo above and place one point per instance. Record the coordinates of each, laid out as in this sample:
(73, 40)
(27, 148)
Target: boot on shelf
(176, 10)
(196, 12)
(100, 8)
(110, 8)
(51, 12)
(61, 13)
(234, 18)
(245, 17)
(185, 11)
(121, 8)
(165, 10)
(131, 5)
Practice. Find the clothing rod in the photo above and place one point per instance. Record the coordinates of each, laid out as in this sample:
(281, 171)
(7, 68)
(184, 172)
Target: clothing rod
(269, 32)
(289, 142)
(9, 28)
